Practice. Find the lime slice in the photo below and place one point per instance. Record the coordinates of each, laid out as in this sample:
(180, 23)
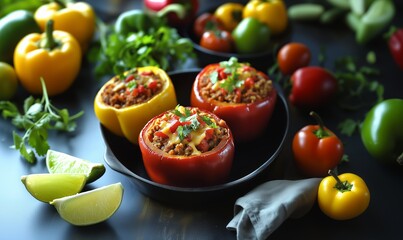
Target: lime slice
(90, 207)
(45, 187)
(58, 162)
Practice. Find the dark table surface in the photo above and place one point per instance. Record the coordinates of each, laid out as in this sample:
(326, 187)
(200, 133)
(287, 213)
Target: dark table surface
(140, 217)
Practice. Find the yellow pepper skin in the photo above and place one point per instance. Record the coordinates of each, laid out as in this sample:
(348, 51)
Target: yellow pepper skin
(58, 66)
(343, 204)
(128, 122)
(230, 14)
(273, 13)
(76, 18)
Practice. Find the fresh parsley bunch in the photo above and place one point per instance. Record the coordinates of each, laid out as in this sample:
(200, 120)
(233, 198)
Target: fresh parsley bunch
(160, 46)
(38, 116)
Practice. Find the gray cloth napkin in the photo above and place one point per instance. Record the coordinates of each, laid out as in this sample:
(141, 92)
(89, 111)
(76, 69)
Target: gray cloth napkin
(265, 208)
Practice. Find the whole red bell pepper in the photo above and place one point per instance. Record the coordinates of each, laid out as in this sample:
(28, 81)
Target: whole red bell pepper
(190, 7)
(316, 149)
(395, 42)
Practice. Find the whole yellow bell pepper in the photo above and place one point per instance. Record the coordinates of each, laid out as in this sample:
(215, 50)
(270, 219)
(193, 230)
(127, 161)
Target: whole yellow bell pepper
(128, 121)
(76, 18)
(273, 13)
(343, 197)
(54, 56)
(230, 14)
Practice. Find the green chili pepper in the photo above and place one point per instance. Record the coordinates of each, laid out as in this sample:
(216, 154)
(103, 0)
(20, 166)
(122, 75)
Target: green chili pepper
(382, 131)
(13, 27)
(377, 17)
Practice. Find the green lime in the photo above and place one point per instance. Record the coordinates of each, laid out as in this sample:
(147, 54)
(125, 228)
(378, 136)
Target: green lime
(45, 187)
(8, 81)
(90, 207)
(58, 162)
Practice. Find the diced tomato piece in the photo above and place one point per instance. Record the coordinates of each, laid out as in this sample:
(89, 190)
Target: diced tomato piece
(247, 68)
(174, 126)
(153, 85)
(129, 78)
(222, 74)
(209, 133)
(147, 73)
(160, 134)
(135, 92)
(203, 146)
(141, 88)
(249, 82)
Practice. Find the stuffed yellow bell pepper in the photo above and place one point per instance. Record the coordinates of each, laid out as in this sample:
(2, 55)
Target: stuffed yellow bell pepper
(126, 103)
(54, 56)
(273, 13)
(76, 18)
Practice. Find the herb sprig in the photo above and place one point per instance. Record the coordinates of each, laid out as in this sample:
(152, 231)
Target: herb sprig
(160, 46)
(193, 122)
(38, 117)
(232, 81)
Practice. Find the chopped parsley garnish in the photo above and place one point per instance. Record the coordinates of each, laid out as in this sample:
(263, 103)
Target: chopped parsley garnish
(192, 122)
(233, 81)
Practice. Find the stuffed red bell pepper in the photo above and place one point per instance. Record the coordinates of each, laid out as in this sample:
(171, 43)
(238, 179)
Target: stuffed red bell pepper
(187, 147)
(239, 94)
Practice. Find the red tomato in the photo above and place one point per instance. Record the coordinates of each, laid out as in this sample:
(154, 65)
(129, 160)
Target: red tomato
(396, 46)
(219, 41)
(246, 120)
(206, 169)
(312, 87)
(206, 22)
(316, 150)
(293, 56)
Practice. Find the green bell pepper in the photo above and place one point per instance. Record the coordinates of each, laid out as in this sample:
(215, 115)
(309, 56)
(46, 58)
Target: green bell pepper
(251, 36)
(13, 27)
(382, 131)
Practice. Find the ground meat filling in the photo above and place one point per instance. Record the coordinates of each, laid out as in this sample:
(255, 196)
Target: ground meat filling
(187, 135)
(133, 88)
(247, 85)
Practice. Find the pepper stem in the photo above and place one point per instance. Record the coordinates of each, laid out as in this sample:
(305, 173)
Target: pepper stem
(321, 132)
(400, 159)
(341, 186)
(49, 42)
(177, 8)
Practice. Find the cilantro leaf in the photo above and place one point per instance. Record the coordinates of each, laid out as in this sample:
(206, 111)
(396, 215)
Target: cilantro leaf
(38, 117)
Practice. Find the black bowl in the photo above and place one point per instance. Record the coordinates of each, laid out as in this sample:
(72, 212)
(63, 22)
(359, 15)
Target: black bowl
(250, 167)
(261, 61)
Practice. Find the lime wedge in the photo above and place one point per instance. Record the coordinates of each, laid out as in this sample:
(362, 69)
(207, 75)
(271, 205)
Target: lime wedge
(45, 187)
(58, 162)
(90, 207)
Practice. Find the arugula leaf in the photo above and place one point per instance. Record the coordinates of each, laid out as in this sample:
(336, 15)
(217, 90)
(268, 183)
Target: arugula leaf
(39, 116)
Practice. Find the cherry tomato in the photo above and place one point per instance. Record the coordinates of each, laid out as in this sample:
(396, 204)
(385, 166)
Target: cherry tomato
(293, 56)
(206, 22)
(312, 87)
(220, 41)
